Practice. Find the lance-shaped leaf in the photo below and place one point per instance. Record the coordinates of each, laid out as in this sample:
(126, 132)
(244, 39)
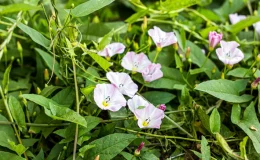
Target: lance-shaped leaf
(226, 90)
(249, 123)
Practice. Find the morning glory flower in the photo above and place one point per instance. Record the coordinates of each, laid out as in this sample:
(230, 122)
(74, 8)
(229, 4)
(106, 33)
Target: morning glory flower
(137, 102)
(235, 18)
(214, 39)
(149, 117)
(229, 53)
(152, 72)
(108, 97)
(161, 38)
(123, 82)
(135, 62)
(112, 49)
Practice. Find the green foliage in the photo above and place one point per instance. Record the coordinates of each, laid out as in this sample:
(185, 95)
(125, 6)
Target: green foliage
(109, 146)
(214, 121)
(226, 90)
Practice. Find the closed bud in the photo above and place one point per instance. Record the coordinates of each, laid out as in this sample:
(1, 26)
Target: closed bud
(65, 148)
(129, 28)
(72, 5)
(19, 47)
(187, 54)
(162, 107)
(128, 41)
(97, 157)
(189, 60)
(96, 20)
(57, 81)
(144, 25)
(213, 70)
(34, 114)
(222, 75)
(149, 41)
(255, 83)
(38, 90)
(46, 75)
(255, 13)
(258, 58)
(137, 151)
(175, 46)
(5, 50)
(135, 45)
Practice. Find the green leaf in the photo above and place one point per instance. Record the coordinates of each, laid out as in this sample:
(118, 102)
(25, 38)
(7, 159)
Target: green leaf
(4, 138)
(66, 114)
(19, 149)
(83, 149)
(249, 123)
(205, 149)
(214, 121)
(134, 17)
(170, 5)
(36, 36)
(7, 129)
(40, 155)
(56, 111)
(105, 40)
(242, 146)
(128, 156)
(240, 72)
(110, 146)
(100, 60)
(6, 78)
(65, 97)
(89, 7)
(235, 28)
(10, 156)
(86, 91)
(17, 112)
(226, 90)
(17, 7)
(204, 118)
(48, 59)
(157, 97)
(178, 61)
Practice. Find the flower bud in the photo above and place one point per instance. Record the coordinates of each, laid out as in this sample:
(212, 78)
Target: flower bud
(34, 114)
(38, 90)
(129, 28)
(187, 54)
(64, 147)
(162, 107)
(258, 58)
(255, 83)
(97, 157)
(213, 70)
(189, 60)
(135, 45)
(72, 5)
(149, 41)
(128, 41)
(96, 20)
(229, 66)
(46, 75)
(214, 39)
(255, 13)
(222, 75)
(5, 50)
(137, 151)
(144, 25)
(56, 81)
(175, 46)
(19, 47)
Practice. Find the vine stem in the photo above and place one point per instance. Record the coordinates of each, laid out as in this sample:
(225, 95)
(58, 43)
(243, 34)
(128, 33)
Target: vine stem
(77, 108)
(11, 118)
(205, 61)
(178, 126)
(170, 137)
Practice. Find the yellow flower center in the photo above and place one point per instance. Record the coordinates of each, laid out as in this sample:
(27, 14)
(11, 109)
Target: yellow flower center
(104, 103)
(145, 123)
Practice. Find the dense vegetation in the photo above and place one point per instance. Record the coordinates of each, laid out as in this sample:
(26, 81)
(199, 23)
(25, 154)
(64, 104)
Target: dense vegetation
(129, 79)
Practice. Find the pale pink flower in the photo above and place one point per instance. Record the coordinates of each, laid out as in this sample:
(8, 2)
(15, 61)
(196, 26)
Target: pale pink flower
(152, 72)
(161, 38)
(162, 107)
(257, 27)
(214, 39)
(137, 102)
(135, 62)
(112, 49)
(123, 82)
(108, 97)
(149, 117)
(235, 18)
(229, 53)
